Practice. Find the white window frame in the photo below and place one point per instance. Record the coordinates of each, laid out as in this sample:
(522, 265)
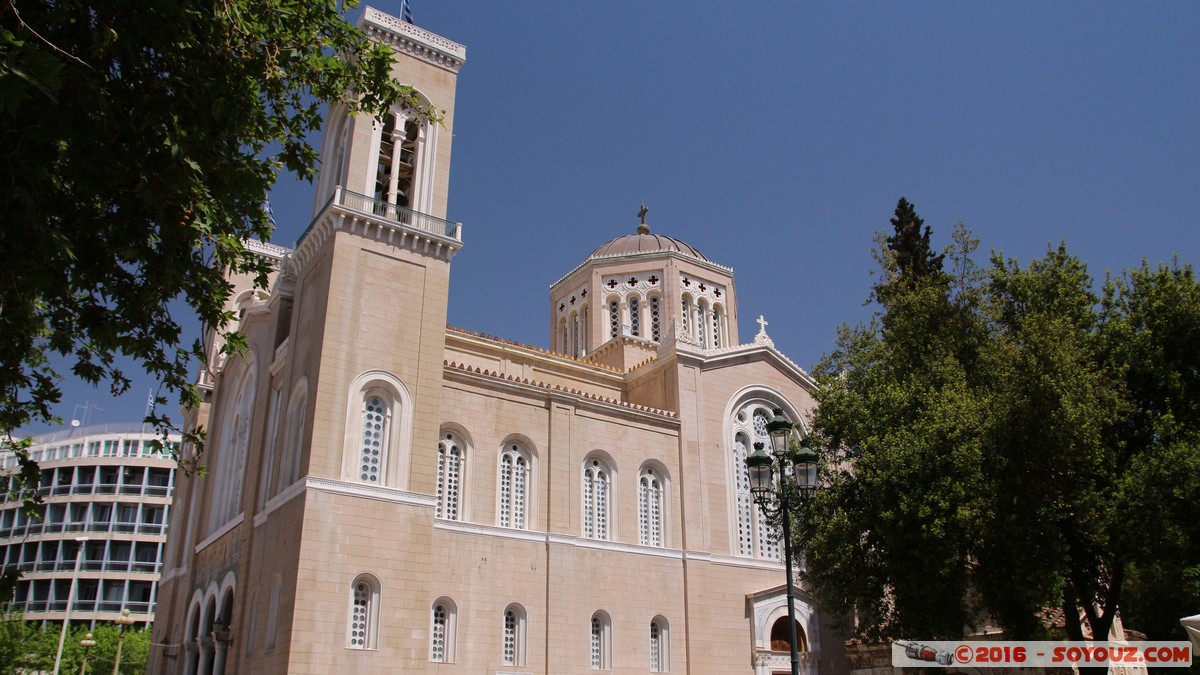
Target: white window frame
(399, 422)
(598, 517)
(600, 641)
(507, 513)
(518, 637)
(370, 616)
(448, 631)
(652, 516)
(660, 652)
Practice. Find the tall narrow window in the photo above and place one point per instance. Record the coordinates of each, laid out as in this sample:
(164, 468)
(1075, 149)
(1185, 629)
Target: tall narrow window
(363, 614)
(575, 334)
(635, 316)
(655, 319)
(441, 632)
(716, 327)
(273, 613)
(700, 323)
(601, 643)
(614, 318)
(687, 316)
(596, 486)
(514, 636)
(376, 420)
(563, 344)
(514, 486)
(756, 536)
(650, 508)
(660, 655)
(451, 456)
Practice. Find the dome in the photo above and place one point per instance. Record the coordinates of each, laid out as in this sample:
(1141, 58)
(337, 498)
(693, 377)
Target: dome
(644, 242)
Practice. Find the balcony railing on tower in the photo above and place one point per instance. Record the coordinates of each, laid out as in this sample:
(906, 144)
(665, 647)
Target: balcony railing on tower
(390, 213)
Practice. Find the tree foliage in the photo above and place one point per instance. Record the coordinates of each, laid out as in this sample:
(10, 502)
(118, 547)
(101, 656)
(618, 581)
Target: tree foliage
(1004, 440)
(29, 648)
(137, 142)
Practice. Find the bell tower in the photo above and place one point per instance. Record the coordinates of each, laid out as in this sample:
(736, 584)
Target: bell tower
(402, 161)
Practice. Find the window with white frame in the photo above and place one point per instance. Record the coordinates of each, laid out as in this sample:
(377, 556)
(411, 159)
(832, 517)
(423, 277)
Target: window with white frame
(701, 332)
(601, 642)
(597, 495)
(716, 326)
(756, 536)
(650, 507)
(364, 613)
(375, 424)
(514, 635)
(451, 467)
(614, 318)
(635, 316)
(660, 646)
(514, 486)
(444, 616)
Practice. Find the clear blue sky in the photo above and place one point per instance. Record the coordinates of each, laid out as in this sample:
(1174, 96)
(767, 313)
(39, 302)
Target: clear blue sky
(776, 138)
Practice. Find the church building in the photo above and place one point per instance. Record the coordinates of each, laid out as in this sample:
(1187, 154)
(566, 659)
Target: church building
(386, 493)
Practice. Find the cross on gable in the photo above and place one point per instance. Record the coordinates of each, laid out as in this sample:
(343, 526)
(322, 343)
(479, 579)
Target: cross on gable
(762, 324)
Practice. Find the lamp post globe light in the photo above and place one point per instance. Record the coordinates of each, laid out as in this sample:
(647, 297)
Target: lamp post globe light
(87, 643)
(767, 491)
(124, 621)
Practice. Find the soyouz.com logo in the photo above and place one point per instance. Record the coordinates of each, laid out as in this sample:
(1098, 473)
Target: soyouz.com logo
(1030, 654)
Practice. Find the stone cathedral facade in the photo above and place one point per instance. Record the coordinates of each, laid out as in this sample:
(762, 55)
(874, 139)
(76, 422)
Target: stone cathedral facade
(389, 494)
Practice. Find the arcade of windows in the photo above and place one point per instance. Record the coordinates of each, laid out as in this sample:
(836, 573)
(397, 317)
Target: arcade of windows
(362, 630)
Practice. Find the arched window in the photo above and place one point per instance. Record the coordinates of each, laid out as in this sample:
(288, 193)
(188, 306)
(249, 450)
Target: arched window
(635, 316)
(575, 334)
(660, 646)
(293, 448)
(756, 536)
(514, 635)
(601, 642)
(451, 469)
(701, 324)
(655, 319)
(597, 493)
(563, 343)
(716, 317)
(514, 486)
(614, 318)
(233, 443)
(403, 164)
(378, 422)
(443, 620)
(364, 613)
(650, 508)
(686, 315)
(781, 640)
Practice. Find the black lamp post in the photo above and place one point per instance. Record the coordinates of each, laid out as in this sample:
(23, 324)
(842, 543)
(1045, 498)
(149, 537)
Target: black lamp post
(767, 491)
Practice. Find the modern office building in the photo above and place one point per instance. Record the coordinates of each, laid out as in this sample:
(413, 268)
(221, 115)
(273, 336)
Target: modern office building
(389, 494)
(106, 496)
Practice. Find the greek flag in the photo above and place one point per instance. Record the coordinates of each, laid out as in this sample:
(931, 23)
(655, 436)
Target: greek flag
(405, 11)
(270, 213)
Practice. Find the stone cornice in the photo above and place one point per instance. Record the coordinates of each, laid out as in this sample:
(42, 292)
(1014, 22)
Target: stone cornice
(648, 255)
(453, 368)
(716, 356)
(335, 217)
(410, 39)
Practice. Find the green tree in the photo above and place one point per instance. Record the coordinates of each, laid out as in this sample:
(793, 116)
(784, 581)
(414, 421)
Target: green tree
(1002, 441)
(138, 141)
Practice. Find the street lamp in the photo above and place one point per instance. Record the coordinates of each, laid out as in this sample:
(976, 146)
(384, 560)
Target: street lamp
(87, 643)
(766, 491)
(124, 621)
